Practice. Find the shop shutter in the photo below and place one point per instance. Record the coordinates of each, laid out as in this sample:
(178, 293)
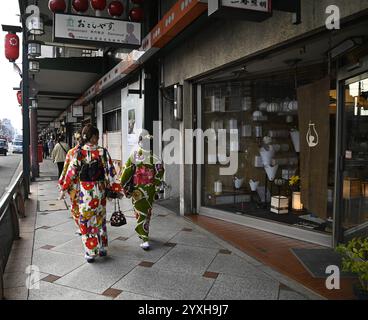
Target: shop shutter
(112, 101)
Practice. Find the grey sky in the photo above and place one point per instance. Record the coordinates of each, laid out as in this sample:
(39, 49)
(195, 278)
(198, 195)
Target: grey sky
(9, 78)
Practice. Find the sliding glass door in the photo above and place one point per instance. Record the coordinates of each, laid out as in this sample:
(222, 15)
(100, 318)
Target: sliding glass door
(352, 208)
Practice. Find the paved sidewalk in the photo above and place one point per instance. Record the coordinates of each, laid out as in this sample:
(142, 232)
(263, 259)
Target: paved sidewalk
(185, 262)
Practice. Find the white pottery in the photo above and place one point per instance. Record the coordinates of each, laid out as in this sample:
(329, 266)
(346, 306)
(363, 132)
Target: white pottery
(267, 155)
(271, 172)
(273, 107)
(246, 103)
(263, 106)
(218, 187)
(293, 105)
(238, 182)
(267, 140)
(295, 138)
(253, 185)
(257, 115)
(258, 131)
(285, 105)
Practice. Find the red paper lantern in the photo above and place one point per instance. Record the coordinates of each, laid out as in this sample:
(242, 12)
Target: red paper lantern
(19, 97)
(80, 5)
(136, 14)
(57, 6)
(137, 1)
(11, 47)
(115, 9)
(98, 4)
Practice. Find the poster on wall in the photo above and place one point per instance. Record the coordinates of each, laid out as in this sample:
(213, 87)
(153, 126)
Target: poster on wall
(77, 111)
(114, 142)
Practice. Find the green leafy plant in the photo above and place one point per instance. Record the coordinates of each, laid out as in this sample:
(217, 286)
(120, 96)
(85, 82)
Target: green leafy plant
(355, 259)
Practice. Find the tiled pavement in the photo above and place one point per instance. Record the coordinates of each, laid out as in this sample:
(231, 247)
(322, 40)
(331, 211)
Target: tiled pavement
(185, 261)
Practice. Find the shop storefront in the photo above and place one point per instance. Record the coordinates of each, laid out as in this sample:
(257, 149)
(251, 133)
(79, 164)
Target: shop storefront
(301, 152)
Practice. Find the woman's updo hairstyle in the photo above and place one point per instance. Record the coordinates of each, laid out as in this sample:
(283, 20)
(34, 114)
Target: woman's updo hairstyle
(88, 132)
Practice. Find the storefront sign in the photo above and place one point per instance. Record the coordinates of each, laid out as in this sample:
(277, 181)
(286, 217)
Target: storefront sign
(257, 5)
(77, 111)
(253, 10)
(69, 28)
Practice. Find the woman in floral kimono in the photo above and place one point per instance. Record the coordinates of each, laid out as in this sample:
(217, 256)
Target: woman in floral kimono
(141, 176)
(73, 190)
(97, 176)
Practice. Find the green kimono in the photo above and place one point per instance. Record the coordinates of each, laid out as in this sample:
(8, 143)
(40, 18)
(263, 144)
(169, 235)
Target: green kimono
(145, 172)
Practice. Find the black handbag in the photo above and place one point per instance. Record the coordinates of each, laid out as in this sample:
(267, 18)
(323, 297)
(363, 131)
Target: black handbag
(118, 218)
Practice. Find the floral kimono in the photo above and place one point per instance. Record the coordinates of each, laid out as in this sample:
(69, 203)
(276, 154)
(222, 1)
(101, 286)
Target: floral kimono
(74, 187)
(92, 197)
(145, 172)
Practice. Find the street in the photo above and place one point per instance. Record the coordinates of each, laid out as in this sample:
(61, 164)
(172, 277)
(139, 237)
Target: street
(8, 166)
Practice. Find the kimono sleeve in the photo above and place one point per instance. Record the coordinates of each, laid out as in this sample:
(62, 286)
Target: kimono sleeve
(127, 172)
(113, 184)
(71, 173)
(159, 170)
(68, 159)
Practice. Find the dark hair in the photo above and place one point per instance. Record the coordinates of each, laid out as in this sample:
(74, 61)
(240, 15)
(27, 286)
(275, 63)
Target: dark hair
(88, 132)
(61, 138)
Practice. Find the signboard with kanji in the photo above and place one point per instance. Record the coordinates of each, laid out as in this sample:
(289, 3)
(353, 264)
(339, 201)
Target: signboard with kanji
(79, 29)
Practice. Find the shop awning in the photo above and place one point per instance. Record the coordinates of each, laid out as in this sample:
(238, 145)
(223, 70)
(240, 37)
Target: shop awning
(60, 81)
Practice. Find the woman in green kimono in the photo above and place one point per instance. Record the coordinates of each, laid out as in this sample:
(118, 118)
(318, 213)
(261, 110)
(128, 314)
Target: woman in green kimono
(141, 176)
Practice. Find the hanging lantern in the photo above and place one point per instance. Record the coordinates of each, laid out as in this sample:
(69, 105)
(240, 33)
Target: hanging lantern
(80, 5)
(34, 65)
(34, 48)
(35, 26)
(57, 6)
(115, 9)
(11, 47)
(19, 97)
(34, 104)
(136, 14)
(98, 6)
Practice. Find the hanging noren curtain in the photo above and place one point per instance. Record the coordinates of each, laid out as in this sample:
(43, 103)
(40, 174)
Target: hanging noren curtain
(314, 100)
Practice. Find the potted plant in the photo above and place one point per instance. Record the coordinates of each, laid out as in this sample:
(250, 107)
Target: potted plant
(355, 260)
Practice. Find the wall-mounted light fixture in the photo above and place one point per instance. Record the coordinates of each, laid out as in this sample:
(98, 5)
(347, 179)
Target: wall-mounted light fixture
(34, 65)
(178, 102)
(34, 48)
(345, 46)
(33, 103)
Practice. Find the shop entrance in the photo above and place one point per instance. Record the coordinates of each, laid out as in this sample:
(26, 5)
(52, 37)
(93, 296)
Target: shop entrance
(353, 207)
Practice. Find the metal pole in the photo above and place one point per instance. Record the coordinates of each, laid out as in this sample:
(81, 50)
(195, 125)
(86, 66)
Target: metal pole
(34, 144)
(25, 95)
